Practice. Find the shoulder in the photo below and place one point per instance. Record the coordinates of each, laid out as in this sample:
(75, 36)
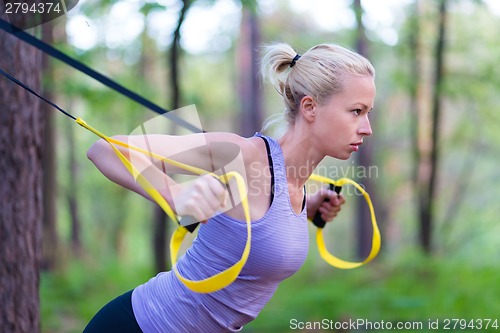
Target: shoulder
(227, 145)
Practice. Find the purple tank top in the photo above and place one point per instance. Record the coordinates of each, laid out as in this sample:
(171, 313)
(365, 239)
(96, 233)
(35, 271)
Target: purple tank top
(280, 244)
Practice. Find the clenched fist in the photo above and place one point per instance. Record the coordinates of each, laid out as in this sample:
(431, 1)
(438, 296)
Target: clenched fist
(201, 199)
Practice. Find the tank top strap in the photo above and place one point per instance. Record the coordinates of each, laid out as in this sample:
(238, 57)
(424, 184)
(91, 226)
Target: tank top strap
(277, 159)
(280, 188)
(278, 167)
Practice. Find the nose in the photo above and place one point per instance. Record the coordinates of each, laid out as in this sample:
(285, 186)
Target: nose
(365, 128)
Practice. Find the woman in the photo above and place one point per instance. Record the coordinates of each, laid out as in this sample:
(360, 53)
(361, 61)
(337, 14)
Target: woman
(328, 93)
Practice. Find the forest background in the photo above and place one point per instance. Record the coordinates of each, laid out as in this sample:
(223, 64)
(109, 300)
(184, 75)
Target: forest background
(432, 161)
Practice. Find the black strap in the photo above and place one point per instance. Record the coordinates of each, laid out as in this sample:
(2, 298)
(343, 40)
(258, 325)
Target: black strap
(48, 49)
(16, 81)
(271, 168)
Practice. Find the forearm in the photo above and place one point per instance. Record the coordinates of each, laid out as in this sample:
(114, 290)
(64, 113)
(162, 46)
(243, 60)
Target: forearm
(108, 163)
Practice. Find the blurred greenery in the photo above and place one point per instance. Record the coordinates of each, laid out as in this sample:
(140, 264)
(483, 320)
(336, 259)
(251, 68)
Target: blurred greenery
(411, 288)
(459, 279)
(72, 296)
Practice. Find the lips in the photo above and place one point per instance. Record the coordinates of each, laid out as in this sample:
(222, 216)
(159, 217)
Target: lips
(355, 146)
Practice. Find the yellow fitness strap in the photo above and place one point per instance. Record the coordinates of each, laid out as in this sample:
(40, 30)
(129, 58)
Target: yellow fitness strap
(219, 280)
(226, 277)
(376, 239)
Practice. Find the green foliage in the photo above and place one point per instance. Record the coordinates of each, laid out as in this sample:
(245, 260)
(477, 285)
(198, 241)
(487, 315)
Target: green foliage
(70, 297)
(411, 288)
(149, 7)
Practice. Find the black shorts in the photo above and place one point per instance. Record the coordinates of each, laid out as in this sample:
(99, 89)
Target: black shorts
(115, 317)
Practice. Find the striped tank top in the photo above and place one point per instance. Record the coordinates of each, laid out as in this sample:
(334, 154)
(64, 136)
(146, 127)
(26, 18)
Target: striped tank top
(279, 247)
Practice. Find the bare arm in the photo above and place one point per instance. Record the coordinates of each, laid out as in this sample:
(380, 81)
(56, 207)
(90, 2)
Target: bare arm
(108, 163)
(206, 151)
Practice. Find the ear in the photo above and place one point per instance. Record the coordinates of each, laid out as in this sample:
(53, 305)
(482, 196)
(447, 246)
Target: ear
(308, 108)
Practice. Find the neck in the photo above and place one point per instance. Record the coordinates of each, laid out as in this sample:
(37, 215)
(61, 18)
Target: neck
(301, 158)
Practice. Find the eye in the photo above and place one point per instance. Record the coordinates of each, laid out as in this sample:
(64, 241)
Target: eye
(357, 112)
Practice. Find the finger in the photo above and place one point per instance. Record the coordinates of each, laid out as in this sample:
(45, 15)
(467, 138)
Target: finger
(218, 193)
(327, 217)
(218, 188)
(328, 212)
(204, 198)
(197, 214)
(203, 203)
(207, 186)
(334, 198)
(200, 209)
(329, 206)
(341, 199)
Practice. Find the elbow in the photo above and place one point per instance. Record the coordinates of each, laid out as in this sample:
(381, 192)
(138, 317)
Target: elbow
(97, 149)
(101, 149)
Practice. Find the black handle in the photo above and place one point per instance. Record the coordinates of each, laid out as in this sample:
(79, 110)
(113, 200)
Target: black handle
(317, 220)
(189, 222)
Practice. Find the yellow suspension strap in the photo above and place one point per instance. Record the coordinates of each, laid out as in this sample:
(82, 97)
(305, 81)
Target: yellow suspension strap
(212, 283)
(224, 278)
(376, 239)
(207, 285)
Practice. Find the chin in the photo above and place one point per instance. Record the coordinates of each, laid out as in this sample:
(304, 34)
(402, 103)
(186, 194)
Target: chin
(342, 157)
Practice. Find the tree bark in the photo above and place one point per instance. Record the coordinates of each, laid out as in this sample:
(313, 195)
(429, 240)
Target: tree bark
(248, 69)
(50, 237)
(364, 157)
(428, 197)
(415, 95)
(71, 194)
(160, 219)
(21, 197)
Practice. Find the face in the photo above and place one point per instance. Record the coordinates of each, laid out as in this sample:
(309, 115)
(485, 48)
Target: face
(343, 121)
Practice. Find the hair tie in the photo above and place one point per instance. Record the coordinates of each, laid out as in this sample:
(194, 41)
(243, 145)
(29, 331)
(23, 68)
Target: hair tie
(294, 60)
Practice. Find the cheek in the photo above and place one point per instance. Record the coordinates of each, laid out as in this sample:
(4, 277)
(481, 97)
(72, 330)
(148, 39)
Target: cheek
(340, 126)
(333, 120)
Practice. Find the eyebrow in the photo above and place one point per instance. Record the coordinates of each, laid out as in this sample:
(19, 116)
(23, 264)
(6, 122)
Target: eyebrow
(363, 106)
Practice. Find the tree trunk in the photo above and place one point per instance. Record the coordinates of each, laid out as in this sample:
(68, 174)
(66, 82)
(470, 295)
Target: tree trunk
(428, 197)
(71, 194)
(364, 157)
(160, 219)
(248, 69)
(174, 58)
(415, 95)
(21, 200)
(50, 237)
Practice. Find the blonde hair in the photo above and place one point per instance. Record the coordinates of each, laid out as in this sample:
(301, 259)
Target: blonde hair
(318, 73)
